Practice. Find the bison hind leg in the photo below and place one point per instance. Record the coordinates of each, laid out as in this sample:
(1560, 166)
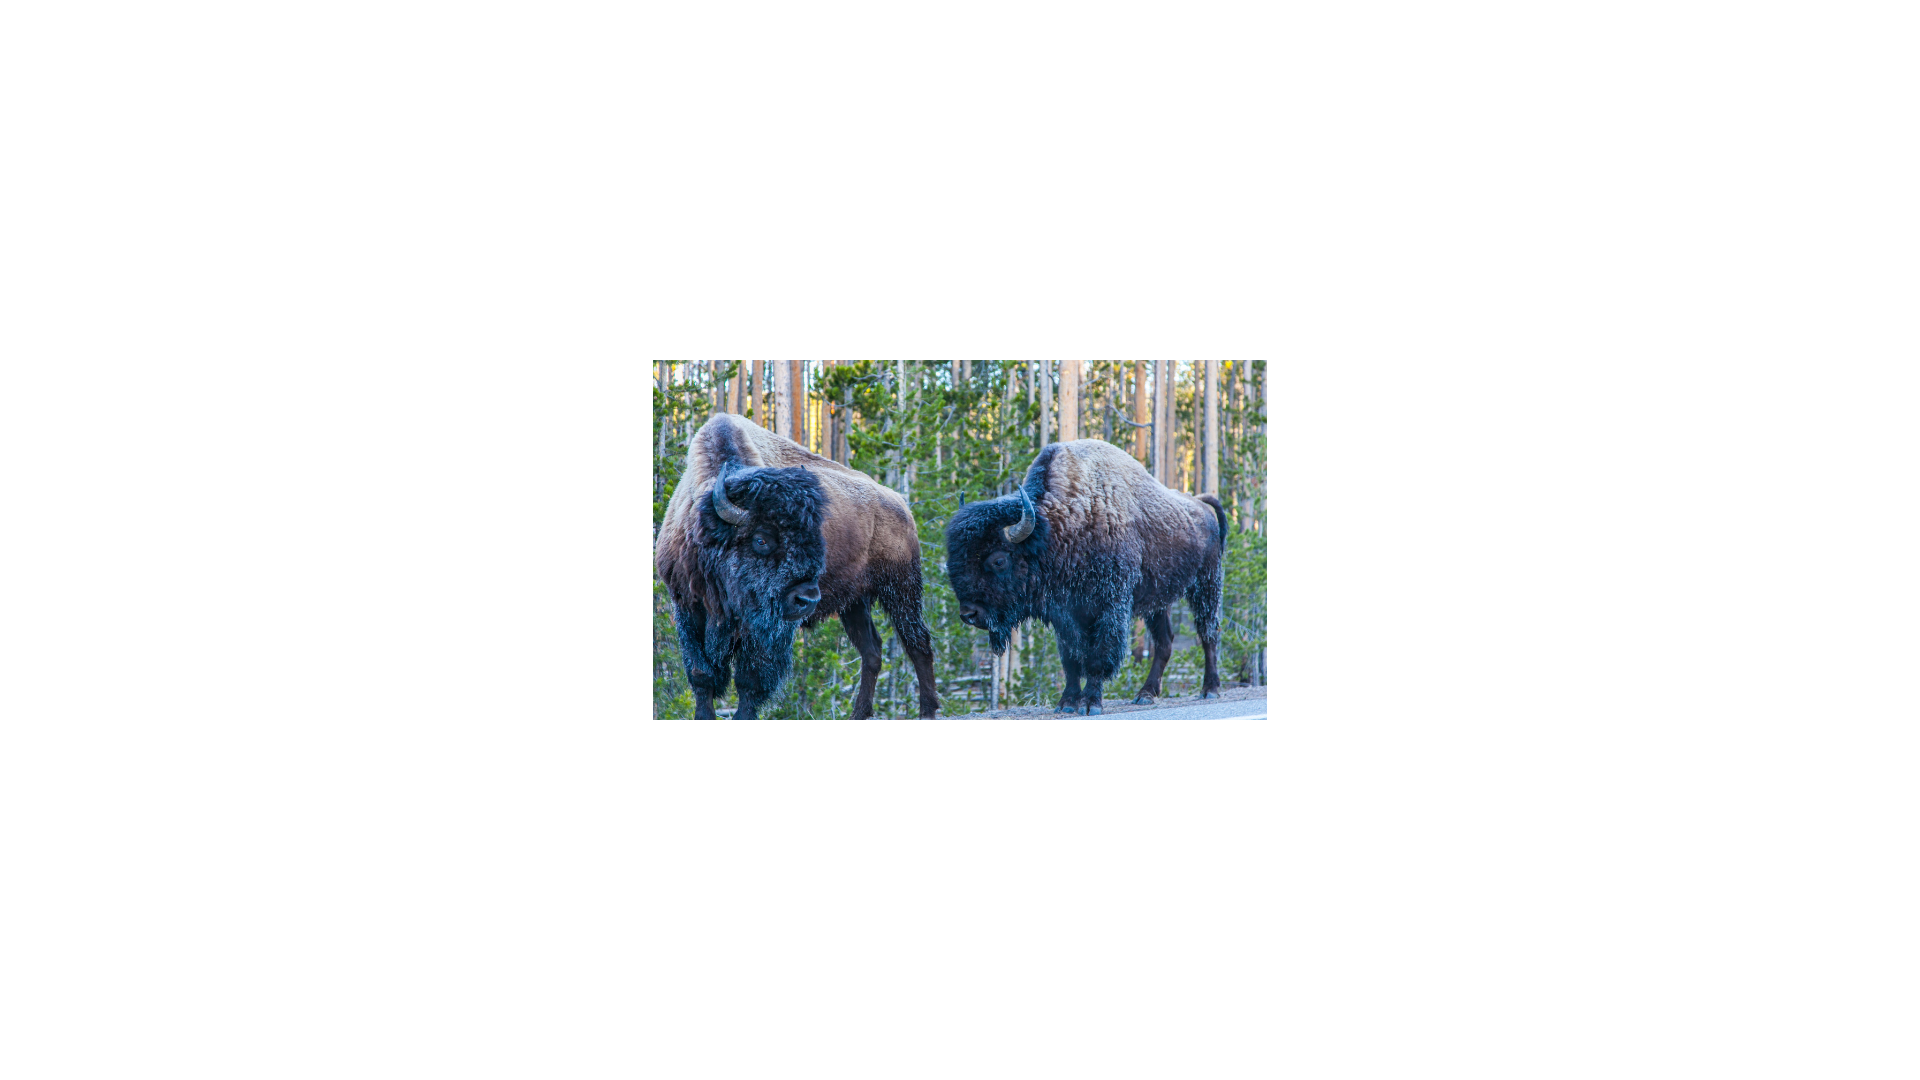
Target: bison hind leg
(1204, 598)
(902, 605)
(1160, 626)
(858, 623)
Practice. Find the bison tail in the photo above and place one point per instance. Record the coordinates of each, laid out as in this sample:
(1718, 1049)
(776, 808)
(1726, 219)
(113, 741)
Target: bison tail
(1219, 512)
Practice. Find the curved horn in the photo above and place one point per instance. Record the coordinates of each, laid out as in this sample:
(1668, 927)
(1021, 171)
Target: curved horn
(1023, 528)
(723, 506)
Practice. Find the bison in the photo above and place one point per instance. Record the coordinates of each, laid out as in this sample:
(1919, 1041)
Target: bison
(763, 536)
(1089, 541)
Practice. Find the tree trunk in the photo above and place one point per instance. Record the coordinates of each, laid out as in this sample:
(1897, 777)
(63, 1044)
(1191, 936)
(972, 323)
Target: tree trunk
(1046, 402)
(1243, 498)
(1229, 444)
(846, 418)
(800, 401)
(1033, 394)
(783, 398)
(1163, 421)
(913, 466)
(1199, 429)
(1006, 441)
(1140, 449)
(1069, 400)
(660, 422)
(1211, 444)
(1257, 398)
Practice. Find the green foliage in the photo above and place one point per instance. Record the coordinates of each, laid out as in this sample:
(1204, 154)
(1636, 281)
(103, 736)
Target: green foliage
(942, 436)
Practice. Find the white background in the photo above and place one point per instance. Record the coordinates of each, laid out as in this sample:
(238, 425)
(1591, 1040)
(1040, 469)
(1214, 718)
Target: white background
(327, 345)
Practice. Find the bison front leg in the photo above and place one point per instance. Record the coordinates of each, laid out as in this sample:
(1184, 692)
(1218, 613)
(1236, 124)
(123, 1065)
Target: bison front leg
(1073, 651)
(707, 675)
(1070, 697)
(1160, 625)
(859, 626)
(1106, 650)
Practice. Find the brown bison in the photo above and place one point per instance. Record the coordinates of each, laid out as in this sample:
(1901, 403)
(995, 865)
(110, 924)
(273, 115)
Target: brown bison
(763, 536)
(1088, 542)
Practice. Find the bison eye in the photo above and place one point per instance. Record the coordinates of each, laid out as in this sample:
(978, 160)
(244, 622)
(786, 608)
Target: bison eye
(997, 561)
(762, 545)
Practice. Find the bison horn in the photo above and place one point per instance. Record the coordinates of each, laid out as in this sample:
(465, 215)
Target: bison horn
(1023, 528)
(723, 506)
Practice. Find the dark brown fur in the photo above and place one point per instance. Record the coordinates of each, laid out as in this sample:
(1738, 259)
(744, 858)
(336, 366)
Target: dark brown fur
(872, 551)
(1110, 543)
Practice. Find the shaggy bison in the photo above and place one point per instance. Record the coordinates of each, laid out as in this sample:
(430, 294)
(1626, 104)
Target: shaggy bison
(1089, 541)
(763, 536)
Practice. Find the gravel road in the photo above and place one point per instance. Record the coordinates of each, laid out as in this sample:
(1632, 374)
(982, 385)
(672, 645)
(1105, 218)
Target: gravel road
(1233, 702)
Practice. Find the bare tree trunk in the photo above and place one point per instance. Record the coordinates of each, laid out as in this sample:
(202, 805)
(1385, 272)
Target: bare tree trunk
(912, 466)
(828, 421)
(1258, 390)
(993, 684)
(1229, 451)
(1033, 393)
(1199, 428)
(1105, 408)
(660, 422)
(783, 398)
(900, 428)
(800, 401)
(846, 418)
(1140, 449)
(1211, 443)
(1069, 400)
(1046, 402)
(1006, 419)
(1254, 473)
(1163, 421)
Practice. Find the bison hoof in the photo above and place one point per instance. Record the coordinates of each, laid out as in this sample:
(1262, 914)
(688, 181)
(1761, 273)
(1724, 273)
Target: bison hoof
(1143, 699)
(1093, 710)
(1210, 693)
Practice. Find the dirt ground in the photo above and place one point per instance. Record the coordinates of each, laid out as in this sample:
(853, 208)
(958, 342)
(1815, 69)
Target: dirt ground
(1117, 705)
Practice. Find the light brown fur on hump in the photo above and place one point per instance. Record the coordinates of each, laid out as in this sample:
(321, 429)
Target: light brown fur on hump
(857, 508)
(1099, 491)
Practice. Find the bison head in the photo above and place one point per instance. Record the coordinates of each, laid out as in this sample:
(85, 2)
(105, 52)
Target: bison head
(993, 562)
(761, 553)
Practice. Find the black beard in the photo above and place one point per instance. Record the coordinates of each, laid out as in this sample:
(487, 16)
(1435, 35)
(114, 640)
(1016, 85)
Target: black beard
(763, 642)
(998, 636)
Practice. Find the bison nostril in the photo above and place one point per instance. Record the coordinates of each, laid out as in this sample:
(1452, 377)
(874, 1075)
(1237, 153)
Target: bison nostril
(804, 594)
